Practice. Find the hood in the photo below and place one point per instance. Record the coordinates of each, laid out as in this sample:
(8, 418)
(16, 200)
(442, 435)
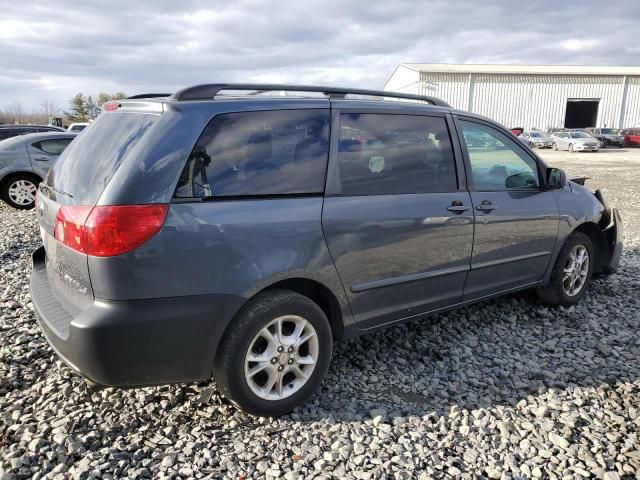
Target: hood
(584, 140)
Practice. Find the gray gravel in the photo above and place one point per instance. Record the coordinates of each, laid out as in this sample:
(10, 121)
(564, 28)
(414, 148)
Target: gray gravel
(504, 389)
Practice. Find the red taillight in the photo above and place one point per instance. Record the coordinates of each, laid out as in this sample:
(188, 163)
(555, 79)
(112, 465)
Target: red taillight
(69, 228)
(105, 231)
(110, 106)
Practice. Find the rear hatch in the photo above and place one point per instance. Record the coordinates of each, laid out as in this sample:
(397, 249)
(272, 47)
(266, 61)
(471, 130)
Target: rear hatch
(71, 190)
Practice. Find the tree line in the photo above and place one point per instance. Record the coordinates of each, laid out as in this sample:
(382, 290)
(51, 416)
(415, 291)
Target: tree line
(82, 108)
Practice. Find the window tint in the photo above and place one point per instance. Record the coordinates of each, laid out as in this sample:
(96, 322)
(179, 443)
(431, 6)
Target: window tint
(394, 154)
(53, 147)
(259, 153)
(85, 168)
(497, 162)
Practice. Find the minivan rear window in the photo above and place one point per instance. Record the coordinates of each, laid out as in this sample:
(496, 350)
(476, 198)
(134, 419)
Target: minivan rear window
(84, 169)
(278, 152)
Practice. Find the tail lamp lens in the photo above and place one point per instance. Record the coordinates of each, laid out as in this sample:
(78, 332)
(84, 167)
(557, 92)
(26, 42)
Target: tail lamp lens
(105, 231)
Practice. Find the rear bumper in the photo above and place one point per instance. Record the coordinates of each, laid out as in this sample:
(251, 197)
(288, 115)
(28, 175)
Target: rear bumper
(615, 236)
(134, 342)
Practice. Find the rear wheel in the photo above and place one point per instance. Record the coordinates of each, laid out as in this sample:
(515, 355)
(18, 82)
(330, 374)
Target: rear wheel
(275, 354)
(571, 273)
(20, 191)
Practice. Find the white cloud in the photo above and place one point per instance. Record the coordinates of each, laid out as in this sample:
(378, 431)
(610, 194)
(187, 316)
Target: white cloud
(56, 49)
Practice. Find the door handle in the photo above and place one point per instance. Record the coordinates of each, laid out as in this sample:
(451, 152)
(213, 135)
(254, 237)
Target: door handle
(40, 159)
(486, 206)
(458, 208)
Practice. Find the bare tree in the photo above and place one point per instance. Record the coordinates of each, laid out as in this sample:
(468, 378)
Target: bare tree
(15, 112)
(50, 107)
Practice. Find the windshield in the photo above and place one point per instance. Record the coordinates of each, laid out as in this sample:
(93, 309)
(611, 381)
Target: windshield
(579, 135)
(535, 134)
(610, 131)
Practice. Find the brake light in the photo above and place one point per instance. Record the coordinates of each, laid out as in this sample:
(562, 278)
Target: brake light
(110, 106)
(105, 231)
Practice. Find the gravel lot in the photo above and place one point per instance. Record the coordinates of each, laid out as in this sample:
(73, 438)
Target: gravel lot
(504, 389)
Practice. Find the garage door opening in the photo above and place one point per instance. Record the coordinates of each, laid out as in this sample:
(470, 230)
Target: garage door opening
(581, 113)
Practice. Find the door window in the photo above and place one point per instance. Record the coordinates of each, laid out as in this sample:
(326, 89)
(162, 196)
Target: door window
(54, 146)
(259, 153)
(497, 162)
(394, 154)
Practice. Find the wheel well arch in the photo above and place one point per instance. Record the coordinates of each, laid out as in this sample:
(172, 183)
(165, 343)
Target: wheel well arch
(320, 294)
(599, 240)
(19, 173)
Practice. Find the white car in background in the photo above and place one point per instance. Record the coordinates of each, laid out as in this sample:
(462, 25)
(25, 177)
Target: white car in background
(575, 141)
(537, 139)
(77, 127)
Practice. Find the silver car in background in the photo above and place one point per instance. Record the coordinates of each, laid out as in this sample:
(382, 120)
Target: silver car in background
(537, 139)
(24, 162)
(575, 142)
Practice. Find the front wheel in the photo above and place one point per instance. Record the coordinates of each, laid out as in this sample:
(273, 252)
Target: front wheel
(275, 354)
(20, 191)
(571, 273)
(571, 147)
(555, 146)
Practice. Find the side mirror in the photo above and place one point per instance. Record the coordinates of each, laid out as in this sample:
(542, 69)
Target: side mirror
(556, 178)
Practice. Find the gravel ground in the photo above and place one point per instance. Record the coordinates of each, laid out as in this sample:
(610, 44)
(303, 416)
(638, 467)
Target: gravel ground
(504, 389)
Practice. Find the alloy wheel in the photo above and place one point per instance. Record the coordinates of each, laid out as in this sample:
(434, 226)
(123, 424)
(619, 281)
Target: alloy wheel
(576, 270)
(22, 192)
(281, 357)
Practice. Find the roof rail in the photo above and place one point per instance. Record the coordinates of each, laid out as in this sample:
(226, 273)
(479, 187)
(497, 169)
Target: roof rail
(148, 95)
(209, 91)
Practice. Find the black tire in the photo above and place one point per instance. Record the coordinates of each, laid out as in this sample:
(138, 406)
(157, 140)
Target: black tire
(571, 147)
(555, 146)
(229, 368)
(554, 292)
(6, 186)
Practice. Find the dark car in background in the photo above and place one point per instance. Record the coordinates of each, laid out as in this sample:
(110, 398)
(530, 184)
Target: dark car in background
(8, 131)
(608, 137)
(201, 235)
(25, 161)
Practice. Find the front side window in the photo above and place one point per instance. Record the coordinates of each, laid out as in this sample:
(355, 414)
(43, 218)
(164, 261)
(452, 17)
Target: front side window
(53, 147)
(259, 153)
(394, 154)
(497, 162)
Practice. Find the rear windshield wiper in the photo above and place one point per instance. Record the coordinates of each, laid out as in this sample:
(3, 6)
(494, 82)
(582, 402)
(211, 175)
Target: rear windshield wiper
(49, 187)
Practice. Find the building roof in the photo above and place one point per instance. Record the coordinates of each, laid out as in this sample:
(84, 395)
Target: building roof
(522, 69)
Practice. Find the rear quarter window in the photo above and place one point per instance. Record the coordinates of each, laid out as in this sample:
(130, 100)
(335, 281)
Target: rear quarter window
(88, 163)
(277, 152)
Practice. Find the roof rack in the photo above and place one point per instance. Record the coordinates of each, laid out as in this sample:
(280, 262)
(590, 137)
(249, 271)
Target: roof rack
(209, 91)
(148, 95)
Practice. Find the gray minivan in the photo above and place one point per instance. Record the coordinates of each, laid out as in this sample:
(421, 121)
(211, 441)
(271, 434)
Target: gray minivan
(202, 234)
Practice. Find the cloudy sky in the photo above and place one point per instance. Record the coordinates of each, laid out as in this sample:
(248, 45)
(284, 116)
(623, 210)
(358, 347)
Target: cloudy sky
(54, 49)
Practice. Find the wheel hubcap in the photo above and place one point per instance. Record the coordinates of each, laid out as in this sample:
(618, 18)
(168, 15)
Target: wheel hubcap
(22, 192)
(575, 270)
(281, 358)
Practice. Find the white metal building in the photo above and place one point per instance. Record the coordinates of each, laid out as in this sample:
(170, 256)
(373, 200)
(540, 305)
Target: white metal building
(530, 96)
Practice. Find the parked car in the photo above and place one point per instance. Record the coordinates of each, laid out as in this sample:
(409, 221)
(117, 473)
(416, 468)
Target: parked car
(537, 139)
(608, 137)
(24, 162)
(77, 127)
(631, 137)
(8, 131)
(199, 235)
(574, 142)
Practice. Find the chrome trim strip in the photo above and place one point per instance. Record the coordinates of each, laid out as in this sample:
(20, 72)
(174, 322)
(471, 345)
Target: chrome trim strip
(387, 282)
